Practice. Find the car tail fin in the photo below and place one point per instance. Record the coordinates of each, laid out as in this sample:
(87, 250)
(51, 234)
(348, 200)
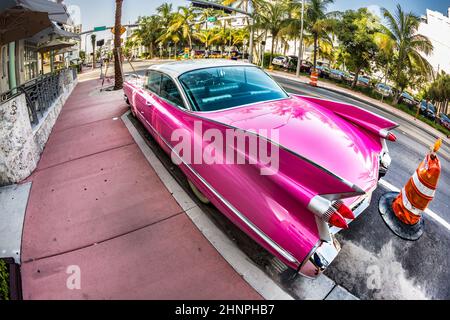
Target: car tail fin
(369, 121)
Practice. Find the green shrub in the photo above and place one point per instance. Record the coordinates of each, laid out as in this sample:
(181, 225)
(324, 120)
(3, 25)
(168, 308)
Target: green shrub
(4, 281)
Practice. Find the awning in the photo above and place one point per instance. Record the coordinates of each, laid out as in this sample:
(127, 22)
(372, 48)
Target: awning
(55, 45)
(56, 11)
(53, 31)
(18, 24)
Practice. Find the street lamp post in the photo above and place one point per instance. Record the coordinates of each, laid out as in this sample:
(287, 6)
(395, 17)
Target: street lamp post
(251, 22)
(300, 50)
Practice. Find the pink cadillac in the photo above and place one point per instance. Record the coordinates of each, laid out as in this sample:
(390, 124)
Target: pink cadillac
(330, 155)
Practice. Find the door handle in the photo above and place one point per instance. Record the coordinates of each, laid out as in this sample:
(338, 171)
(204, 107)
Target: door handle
(148, 103)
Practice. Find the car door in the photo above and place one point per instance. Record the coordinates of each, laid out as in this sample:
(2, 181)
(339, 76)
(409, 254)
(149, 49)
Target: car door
(146, 100)
(168, 107)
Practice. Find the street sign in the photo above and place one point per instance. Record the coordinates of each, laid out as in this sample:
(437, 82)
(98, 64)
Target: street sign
(102, 28)
(122, 30)
(212, 19)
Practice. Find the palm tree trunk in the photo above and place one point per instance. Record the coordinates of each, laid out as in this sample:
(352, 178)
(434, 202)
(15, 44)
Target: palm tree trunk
(118, 78)
(316, 39)
(271, 49)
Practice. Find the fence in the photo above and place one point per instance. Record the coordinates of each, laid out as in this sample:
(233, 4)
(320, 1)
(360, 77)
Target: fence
(42, 92)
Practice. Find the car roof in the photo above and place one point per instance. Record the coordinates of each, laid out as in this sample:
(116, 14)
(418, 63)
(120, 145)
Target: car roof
(177, 68)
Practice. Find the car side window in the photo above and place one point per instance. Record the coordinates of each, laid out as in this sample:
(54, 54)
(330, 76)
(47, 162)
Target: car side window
(154, 81)
(170, 92)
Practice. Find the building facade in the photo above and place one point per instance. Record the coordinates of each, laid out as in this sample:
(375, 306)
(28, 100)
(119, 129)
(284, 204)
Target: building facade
(436, 26)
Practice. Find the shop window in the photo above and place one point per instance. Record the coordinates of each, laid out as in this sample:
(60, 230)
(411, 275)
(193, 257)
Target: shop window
(30, 61)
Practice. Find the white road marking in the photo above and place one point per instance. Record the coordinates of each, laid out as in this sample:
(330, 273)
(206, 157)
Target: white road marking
(428, 212)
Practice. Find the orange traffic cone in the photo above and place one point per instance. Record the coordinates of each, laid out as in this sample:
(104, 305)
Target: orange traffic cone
(403, 212)
(314, 78)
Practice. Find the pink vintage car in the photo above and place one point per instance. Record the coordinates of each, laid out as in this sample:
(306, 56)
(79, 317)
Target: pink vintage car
(325, 157)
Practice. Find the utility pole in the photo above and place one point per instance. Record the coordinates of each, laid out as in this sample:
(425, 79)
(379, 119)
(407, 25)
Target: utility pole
(300, 50)
(251, 22)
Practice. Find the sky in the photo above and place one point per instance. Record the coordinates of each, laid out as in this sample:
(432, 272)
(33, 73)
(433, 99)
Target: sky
(92, 13)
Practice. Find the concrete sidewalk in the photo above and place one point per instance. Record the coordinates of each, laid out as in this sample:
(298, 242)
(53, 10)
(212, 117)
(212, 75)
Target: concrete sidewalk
(97, 206)
(374, 102)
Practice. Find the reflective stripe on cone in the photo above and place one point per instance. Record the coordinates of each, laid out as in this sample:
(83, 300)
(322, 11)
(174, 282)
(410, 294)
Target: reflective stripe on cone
(418, 192)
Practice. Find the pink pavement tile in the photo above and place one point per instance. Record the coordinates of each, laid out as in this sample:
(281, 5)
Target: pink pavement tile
(83, 141)
(169, 260)
(70, 118)
(92, 199)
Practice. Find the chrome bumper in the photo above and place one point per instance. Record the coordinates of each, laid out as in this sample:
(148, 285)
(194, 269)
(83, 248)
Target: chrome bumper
(320, 259)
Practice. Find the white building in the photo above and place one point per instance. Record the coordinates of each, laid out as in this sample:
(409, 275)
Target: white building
(436, 27)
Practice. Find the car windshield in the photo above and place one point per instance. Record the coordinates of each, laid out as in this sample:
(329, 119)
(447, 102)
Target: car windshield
(221, 88)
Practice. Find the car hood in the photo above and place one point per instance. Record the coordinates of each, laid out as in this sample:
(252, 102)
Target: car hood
(313, 132)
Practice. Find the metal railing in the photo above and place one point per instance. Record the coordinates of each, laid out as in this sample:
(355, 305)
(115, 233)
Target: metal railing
(42, 92)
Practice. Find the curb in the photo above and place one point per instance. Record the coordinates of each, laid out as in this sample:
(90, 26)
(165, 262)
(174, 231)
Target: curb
(349, 95)
(230, 252)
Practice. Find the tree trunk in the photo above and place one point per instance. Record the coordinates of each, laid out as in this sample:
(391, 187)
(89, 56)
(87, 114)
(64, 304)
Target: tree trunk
(316, 39)
(118, 77)
(355, 81)
(271, 49)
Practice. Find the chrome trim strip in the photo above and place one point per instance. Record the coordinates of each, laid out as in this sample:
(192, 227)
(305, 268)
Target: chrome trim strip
(244, 219)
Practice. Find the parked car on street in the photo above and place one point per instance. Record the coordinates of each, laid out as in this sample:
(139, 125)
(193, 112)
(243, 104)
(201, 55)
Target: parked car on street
(324, 72)
(348, 77)
(279, 61)
(292, 205)
(336, 74)
(428, 110)
(407, 99)
(363, 81)
(444, 120)
(384, 90)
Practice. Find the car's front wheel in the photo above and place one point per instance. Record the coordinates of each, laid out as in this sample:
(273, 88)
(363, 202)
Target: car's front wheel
(200, 196)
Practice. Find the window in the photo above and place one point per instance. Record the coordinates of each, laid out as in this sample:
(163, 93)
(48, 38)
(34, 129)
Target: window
(169, 92)
(221, 88)
(153, 81)
(30, 61)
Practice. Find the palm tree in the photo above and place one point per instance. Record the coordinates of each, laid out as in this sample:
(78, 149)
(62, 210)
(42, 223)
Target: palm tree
(149, 32)
(118, 77)
(182, 22)
(317, 21)
(273, 17)
(408, 45)
(208, 37)
(93, 42)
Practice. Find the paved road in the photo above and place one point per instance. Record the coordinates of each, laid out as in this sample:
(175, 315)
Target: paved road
(375, 264)
(406, 153)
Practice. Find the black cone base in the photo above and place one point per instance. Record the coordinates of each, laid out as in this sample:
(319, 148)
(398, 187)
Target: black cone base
(404, 231)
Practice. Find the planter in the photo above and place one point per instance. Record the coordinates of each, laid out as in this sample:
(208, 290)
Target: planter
(15, 282)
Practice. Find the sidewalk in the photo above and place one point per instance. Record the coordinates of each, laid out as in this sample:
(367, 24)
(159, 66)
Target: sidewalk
(97, 204)
(376, 103)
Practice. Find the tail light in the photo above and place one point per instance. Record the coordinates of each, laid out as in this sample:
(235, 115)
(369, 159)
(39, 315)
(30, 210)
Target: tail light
(388, 135)
(391, 137)
(333, 213)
